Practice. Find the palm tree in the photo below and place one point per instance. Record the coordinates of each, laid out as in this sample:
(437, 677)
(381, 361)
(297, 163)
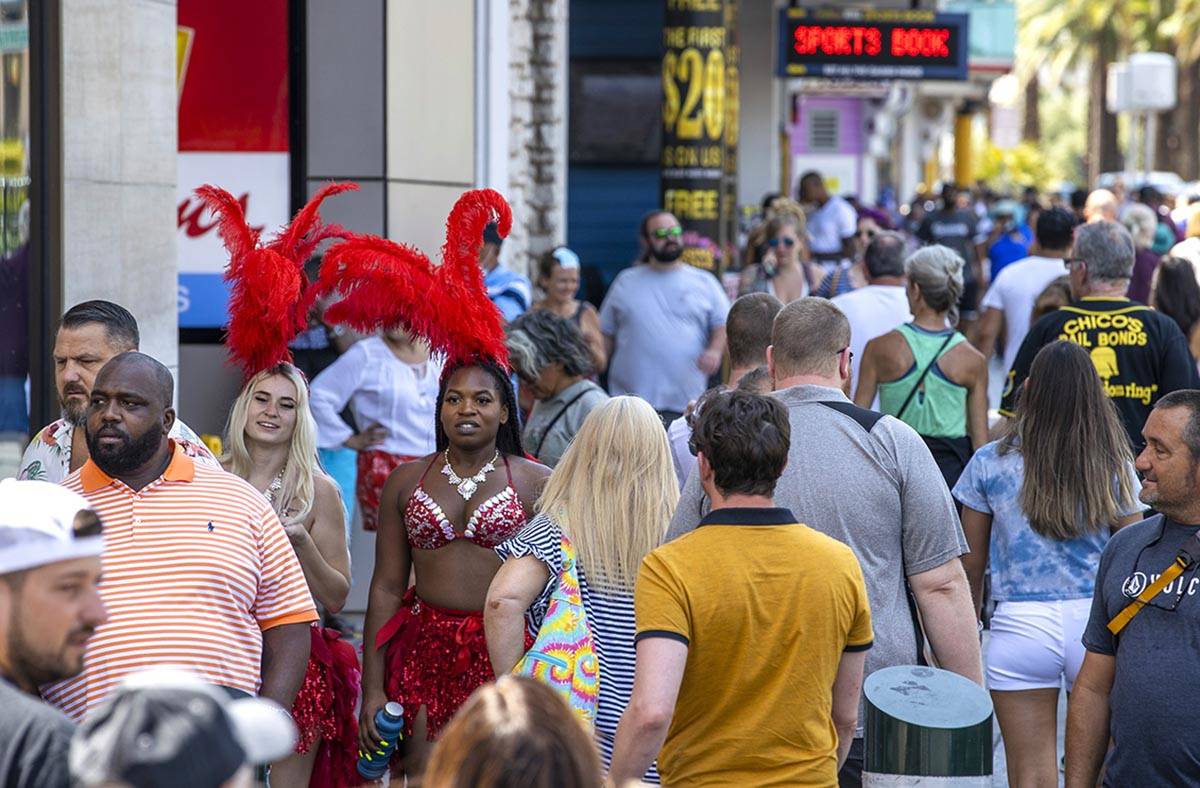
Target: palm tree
(1080, 33)
(1180, 34)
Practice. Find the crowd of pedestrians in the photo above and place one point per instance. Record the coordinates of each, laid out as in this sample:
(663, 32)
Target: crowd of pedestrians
(694, 526)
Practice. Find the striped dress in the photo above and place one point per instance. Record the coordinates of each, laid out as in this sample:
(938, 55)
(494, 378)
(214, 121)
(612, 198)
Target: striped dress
(610, 615)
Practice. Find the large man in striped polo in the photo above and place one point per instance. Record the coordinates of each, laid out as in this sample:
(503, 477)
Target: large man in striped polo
(198, 571)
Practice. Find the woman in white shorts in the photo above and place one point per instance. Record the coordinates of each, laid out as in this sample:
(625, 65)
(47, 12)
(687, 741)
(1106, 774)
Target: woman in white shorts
(1038, 507)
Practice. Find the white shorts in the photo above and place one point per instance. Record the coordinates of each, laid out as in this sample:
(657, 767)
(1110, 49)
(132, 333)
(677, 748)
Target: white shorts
(1036, 645)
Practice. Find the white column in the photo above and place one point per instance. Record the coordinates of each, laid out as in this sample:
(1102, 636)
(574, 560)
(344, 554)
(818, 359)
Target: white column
(119, 124)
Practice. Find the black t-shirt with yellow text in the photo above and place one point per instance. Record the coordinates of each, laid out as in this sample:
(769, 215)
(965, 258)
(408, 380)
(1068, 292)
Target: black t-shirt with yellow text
(1139, 353)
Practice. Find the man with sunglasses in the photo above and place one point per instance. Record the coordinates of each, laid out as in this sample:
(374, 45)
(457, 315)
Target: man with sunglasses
(663, 323)
(1143, 637)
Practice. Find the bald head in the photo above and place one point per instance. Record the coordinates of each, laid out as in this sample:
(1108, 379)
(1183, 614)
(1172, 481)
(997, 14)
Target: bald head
(1101, 206)
(138, 373)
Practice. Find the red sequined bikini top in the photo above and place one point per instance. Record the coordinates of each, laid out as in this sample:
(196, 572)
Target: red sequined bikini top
(493, 522)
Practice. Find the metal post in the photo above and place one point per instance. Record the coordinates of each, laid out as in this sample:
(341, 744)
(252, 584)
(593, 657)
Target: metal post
(926, 727)
(1151, 136)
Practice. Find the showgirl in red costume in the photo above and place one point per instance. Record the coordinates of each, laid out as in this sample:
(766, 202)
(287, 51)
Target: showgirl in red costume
(441, 514)
(271, 442)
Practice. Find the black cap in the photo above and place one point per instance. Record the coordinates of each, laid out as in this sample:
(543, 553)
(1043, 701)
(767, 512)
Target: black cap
(155, 737)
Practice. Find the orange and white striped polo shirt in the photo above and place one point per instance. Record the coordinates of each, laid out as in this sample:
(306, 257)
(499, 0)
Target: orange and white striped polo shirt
(196, 567)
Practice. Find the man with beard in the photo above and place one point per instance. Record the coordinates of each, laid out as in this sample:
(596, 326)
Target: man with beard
(663, 323)
(198, 571)
(89, 335)
(1142, 639)
(49, 607)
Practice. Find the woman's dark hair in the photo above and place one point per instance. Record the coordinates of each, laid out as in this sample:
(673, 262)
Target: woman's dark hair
(1176, 293)
(745, 437)
(514, 733)
(508, 438)
(1078, 465)
(540, 338)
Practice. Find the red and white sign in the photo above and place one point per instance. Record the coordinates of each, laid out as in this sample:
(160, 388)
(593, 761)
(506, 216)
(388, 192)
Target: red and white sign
(233, 133)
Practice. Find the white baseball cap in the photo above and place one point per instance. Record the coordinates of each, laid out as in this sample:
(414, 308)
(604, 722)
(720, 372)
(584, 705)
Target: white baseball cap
(39, 526)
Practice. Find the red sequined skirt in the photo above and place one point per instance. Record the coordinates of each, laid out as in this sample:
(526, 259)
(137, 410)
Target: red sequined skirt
(374, 467)
(435, 658)
(324, 709)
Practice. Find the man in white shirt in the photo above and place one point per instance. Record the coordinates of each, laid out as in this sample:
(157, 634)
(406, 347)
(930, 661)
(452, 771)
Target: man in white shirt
(882, 305)
(1009, 301)
(832, 224)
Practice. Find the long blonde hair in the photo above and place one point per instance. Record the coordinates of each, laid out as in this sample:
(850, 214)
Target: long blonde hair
(614, 490)
(298, 491)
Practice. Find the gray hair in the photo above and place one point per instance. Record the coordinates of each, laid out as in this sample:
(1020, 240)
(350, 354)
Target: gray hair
(884, 256)
(1141, 222)
(937, 271)
(1108, 250)
(540, 338)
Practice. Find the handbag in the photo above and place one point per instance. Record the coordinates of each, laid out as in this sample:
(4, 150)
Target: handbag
(563, 655)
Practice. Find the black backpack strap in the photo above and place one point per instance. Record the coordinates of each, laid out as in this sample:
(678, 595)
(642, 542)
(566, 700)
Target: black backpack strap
(867, 419)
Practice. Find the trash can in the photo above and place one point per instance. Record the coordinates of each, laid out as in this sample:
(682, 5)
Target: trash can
(926, 727)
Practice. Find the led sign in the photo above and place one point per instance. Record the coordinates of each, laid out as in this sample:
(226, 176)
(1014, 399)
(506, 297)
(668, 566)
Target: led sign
(872, 44)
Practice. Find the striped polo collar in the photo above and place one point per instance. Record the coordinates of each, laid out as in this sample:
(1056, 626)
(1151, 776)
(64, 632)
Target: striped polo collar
(181, 469)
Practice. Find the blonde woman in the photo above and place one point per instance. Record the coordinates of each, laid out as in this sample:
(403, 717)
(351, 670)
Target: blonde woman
(272, 443)
(612, 496)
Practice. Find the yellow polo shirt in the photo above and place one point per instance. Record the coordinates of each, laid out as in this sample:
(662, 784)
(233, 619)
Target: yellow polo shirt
(766, 607)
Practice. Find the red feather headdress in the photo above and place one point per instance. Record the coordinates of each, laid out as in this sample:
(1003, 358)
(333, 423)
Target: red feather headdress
(383, 284)
(270, 296)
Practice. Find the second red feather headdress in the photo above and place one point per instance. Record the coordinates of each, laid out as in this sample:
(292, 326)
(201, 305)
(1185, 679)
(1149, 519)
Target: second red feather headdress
(382, 284)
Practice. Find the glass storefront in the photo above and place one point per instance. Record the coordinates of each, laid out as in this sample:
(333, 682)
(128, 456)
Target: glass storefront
(15, 264)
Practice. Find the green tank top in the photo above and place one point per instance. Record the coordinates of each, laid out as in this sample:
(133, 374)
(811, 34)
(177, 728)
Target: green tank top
(939, 409)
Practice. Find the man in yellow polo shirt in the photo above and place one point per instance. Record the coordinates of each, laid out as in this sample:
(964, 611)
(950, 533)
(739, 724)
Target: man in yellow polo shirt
(751, 630)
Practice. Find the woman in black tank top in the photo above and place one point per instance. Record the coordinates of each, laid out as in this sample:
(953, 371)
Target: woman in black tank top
(558, 279)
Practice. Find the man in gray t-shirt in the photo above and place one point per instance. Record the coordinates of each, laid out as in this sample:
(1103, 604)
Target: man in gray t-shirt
(870, 482)
(1136, 685)
(664, 324)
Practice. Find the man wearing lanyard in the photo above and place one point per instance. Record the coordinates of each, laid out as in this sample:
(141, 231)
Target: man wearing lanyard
(1143, 636)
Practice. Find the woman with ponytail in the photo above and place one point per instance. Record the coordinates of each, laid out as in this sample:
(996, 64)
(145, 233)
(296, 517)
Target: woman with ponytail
(926, 373)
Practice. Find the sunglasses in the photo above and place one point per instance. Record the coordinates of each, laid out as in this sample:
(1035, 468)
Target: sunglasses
(1183, 582)
(788, 242)
(668, 232)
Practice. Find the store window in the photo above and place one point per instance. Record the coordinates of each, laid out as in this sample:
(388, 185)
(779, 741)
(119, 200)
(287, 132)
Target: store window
(15, 262)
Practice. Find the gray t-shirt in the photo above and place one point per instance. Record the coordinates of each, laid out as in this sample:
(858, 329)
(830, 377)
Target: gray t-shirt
(1153, 698)
(554, 422)
(661, 322)
(880, 492)
(34, 740)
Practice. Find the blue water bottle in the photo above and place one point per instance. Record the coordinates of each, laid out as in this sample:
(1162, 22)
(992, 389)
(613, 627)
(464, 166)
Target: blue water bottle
(389, 721)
